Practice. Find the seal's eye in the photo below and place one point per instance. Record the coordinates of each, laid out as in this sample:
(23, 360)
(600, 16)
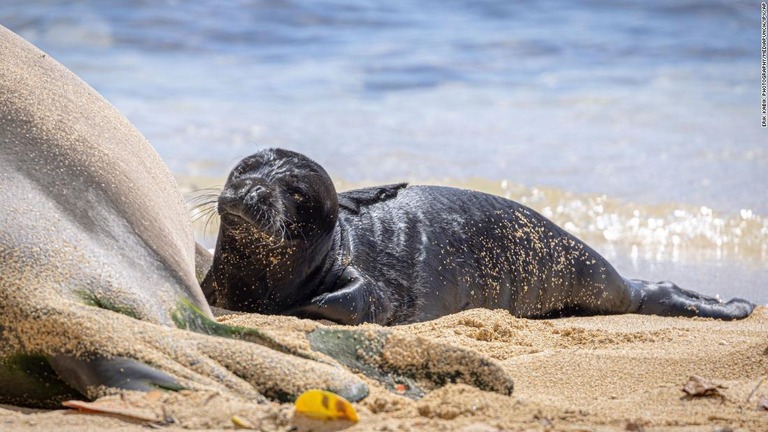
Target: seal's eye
(296, 193)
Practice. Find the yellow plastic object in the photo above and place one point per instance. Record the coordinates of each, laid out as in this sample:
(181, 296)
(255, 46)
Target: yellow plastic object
(324, 405)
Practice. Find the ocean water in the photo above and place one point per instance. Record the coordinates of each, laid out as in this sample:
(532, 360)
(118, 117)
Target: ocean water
(635, 124)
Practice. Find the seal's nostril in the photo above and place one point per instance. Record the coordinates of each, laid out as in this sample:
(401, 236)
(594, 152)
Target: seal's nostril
(244, 187)
(257, 194)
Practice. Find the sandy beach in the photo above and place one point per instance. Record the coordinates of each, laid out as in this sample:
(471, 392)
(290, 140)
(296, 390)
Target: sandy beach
(622, 372)
(634, 128)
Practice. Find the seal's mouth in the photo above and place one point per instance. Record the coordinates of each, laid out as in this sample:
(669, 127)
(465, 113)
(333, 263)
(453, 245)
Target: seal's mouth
(261, 230)
(261, 217)
(252, 207)
(231, 219)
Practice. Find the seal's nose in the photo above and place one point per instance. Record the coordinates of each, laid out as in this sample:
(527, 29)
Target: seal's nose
(240, 188)
(246, 188)
(252, 192)
(241, 193)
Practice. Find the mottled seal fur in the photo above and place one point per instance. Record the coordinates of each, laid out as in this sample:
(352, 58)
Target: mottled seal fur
(97, 268)
(289, 244)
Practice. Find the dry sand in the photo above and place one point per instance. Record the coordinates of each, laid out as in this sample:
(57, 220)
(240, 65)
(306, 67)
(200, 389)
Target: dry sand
(595, 373)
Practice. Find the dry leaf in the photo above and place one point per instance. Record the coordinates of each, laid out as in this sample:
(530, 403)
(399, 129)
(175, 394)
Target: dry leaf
(115, 406)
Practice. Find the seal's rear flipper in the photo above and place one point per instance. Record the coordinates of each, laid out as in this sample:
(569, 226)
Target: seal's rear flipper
(119, 372)
(28, 380)
(667, 299)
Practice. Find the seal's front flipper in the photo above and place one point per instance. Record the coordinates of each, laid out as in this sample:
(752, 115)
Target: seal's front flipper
(667, 299)
(337, 307)
(357, 299)
(409, 365)
(83, 374)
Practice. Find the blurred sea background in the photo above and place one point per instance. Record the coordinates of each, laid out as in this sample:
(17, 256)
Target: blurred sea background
(633, 124)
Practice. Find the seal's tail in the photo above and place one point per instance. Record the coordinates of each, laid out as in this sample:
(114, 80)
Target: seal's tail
(667, 299)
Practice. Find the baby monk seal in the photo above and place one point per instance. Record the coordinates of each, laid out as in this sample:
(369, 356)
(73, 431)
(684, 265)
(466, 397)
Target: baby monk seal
(289, 244)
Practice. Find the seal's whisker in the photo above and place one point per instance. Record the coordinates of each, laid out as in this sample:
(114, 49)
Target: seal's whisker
(197, 196)
(202, 210)
(202, 201)
(286, 232)
(202, 205)
(282, 229)
(203, 198)
(211, 217)
(216, 190)
(202, 194)
(261, 211)
(272, 229)
(204, 213)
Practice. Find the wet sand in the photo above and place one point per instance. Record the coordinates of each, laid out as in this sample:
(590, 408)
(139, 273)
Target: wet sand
(594, 373)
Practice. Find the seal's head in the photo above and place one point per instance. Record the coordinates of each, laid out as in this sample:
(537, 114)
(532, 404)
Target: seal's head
(278, 214)
(281, 195)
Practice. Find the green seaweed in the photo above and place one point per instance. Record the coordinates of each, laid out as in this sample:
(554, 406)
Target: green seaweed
(187, 316)
(356, 350)
(104, 303)
(363, 351)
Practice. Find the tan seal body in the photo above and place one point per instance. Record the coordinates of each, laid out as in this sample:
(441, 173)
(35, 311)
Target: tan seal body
(82, 188)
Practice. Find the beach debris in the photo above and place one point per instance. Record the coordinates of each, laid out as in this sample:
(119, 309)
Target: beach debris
(324, 405)
(699, 386)
(401, 388)
(242, 422)
(118, 405)
(754, 390)
(762, 403)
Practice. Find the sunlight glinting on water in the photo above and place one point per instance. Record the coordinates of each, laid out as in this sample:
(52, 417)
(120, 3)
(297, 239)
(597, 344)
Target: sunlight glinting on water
(654, 232)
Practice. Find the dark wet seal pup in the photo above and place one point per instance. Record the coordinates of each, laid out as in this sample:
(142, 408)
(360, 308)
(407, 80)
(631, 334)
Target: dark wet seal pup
(97, 271)
(289, 244)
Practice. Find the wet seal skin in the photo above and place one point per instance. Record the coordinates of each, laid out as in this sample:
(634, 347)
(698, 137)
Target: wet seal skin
(394, 254)
(98, 288)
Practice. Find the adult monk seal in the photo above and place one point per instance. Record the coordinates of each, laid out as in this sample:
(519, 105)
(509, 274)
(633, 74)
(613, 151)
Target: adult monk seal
(97, 269)
(289, 244)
